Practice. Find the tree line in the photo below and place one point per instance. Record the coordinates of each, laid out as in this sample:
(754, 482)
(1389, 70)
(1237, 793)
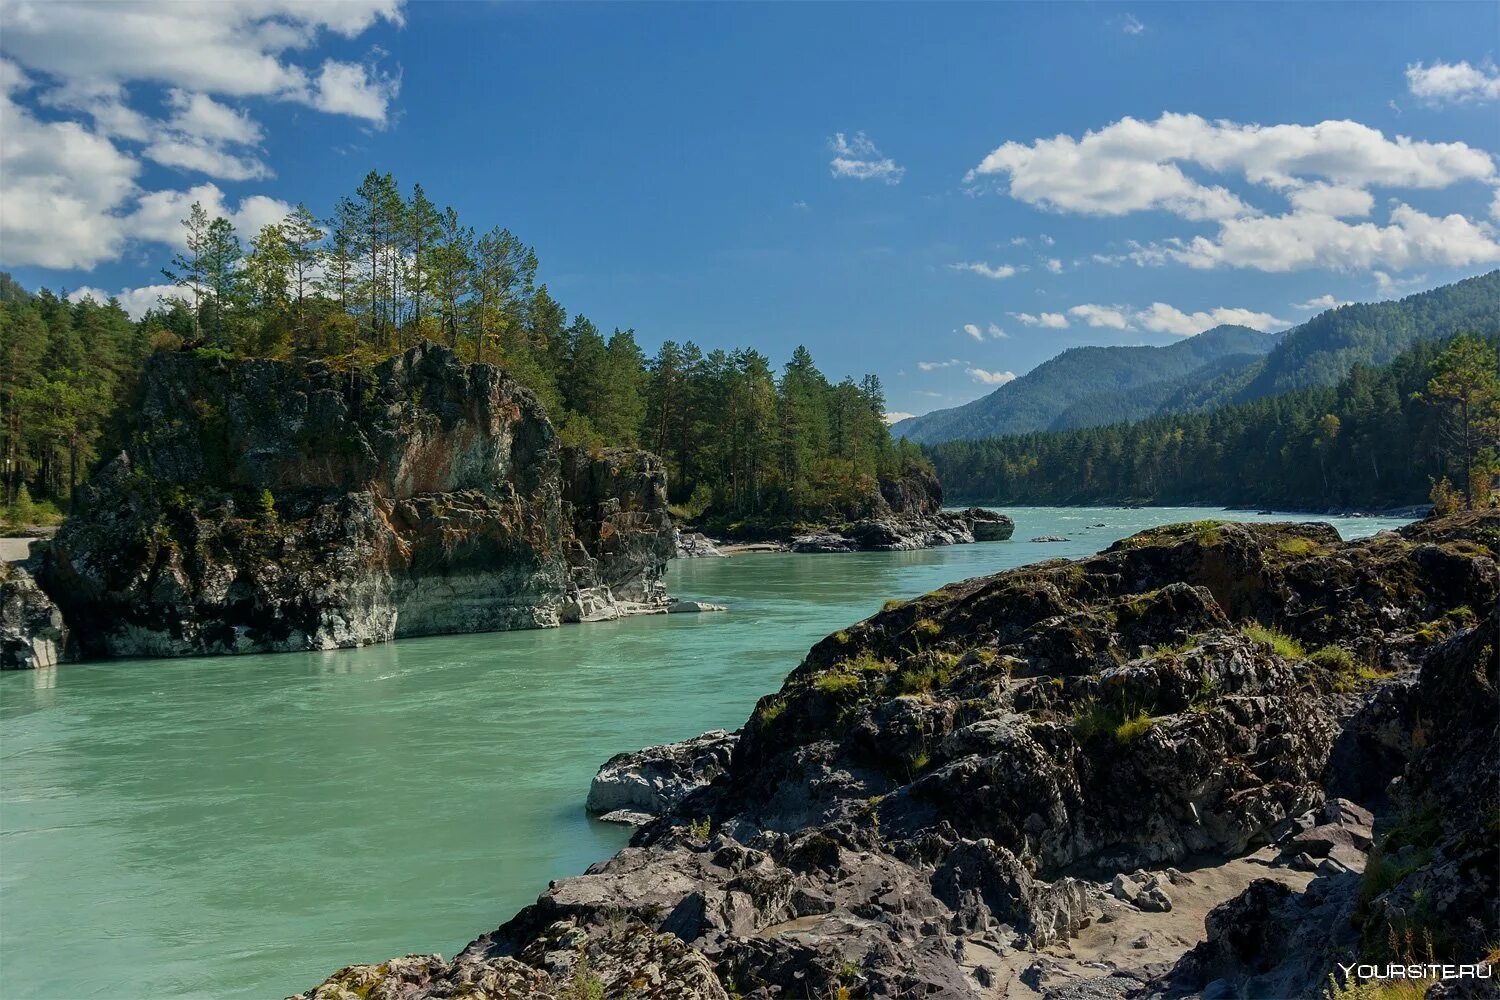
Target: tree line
(386, 270)
(1425, 426)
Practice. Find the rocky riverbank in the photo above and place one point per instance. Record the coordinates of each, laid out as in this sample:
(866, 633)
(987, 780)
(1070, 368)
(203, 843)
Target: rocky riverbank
(267, 506)
(1214, 760)
(902, 512)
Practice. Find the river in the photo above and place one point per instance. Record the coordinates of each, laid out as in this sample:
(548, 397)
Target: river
(242, 826)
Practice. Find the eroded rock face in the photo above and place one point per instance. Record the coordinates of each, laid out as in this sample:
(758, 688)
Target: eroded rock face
(940, 790)
(264, 506)
(32, 633)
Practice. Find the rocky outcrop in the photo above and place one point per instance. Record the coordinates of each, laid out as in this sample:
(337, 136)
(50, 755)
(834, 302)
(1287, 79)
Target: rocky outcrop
(641, 784)
(947, 798)
(32, 633)
(696, 545)
(908, 515)
(264, 505)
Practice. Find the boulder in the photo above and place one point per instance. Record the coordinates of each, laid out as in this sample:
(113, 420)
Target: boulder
(655, 779)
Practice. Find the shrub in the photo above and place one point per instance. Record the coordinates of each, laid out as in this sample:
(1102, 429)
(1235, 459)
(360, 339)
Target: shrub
(1279, 642)
(584, 984)
(836, 683)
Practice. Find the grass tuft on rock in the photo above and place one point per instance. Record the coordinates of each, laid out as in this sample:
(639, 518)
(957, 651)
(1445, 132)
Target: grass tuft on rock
(1278, 641)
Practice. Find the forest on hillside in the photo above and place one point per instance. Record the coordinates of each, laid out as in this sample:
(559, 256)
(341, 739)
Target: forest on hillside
(744, 443)
(1383, 436)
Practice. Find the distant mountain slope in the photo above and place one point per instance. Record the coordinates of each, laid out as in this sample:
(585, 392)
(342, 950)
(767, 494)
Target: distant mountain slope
(1322, 350)
(1085, 377)
(1094, 386)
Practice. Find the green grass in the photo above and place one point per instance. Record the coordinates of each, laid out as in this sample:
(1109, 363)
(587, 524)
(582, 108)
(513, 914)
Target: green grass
(934, 671)
(867, 663)
(837, 683)
(1279, 642)
(892, 604)
(927, 627)
(771, 713)
(1297, 546)
(1348, 673)
(1122, 723)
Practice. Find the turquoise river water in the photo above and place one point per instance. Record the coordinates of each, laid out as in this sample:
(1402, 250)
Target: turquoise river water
(242, 826)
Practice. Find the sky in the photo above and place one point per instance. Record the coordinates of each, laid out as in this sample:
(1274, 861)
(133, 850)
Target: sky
(943, 195)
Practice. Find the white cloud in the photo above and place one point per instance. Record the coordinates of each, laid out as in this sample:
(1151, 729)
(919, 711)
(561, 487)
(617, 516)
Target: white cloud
(60, 185)
(992, 331)
(994, 271)
(895, 416)
(930, 366)
(1162, 318)
(135, 301)
(1303, 240)
(1054, 265)
(1319, 303)
(159, 214)
(800, 205)
(1019, 241)
(69, 188)
(349, 89)
(991, 378)
(1132, 165)
(1323, 171)
(1054, 321)
(857, 157)
(1388, 286)
(233, 47)
(1112, 317)
(1331, 199)
(1453, 82)
(1132, 25)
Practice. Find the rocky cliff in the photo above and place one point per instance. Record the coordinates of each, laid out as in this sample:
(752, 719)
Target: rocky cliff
(264, 505)
(1055, 780)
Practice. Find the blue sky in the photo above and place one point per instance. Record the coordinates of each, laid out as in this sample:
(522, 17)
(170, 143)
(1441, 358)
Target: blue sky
(942, 194)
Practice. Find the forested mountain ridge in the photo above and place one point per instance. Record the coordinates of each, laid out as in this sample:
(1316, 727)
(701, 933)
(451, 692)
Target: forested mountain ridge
(1318, 352)
(1046, 396)
(1324, 349)
(1382, 437)
(387, 270)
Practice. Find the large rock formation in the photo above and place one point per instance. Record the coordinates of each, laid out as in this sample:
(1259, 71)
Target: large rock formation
(948, 798)
(265, 505)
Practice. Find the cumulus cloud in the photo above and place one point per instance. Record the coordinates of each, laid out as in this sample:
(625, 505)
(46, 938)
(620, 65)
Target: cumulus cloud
(158, 216)
(895, 416)
(1112, 317)
(1319, 303)
(1054, 265)
(1321, 172)
(996, 272)
(856, 157)
(70, 187)
(931, 366)
(1453, 83)
(991, 378)
(1162, 318)
(1054, 321)
(1303, 240)
(135, 301)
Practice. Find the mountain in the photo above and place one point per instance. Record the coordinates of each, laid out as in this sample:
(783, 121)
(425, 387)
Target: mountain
(1084, 386)
(1095, 386)
(1322, 350)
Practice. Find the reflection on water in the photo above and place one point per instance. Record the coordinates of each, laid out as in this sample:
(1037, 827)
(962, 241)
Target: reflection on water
(241, 826)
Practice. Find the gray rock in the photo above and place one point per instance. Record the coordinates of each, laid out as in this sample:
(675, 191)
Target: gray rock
(653, 780)
(693, 607)
(268, 506)
(695, 545)
(32, 632)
